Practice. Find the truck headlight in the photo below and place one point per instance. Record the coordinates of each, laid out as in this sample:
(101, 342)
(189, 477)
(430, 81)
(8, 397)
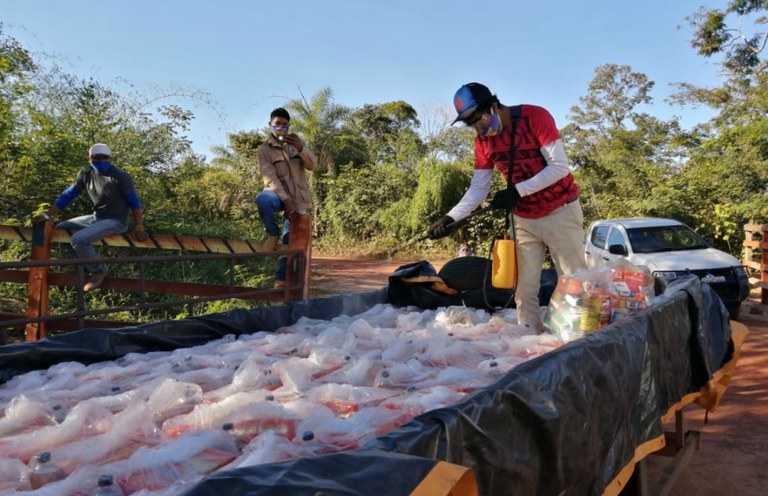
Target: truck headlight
(668, 275)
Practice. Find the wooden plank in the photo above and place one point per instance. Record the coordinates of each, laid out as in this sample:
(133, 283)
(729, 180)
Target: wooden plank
(300, 239)
(155, 241)
(69, 279)
(756, 243)
(37, 285)
(296, 289)
(754, 265)
(681, 460)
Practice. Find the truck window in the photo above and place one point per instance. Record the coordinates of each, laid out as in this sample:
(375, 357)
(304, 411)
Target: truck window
(617, 238)
(599, 234)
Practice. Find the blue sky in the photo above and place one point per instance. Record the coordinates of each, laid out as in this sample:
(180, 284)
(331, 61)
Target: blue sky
(250, 56)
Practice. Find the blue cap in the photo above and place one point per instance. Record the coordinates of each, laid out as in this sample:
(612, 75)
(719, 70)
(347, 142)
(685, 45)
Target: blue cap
(469, 98)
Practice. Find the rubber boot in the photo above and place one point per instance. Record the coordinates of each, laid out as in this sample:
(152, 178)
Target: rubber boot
(270, 244)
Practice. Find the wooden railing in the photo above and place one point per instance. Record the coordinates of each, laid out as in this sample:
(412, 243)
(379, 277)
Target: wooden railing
(38, 277)
(755, 249)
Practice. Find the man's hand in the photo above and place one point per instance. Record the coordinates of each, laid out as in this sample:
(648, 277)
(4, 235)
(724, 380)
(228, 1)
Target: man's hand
(506, 199)
(39, 218)
(290, 208)
(139, 234)
(439, 228)
(294, 141)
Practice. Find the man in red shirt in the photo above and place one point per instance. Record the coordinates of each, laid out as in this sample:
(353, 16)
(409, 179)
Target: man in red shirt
(541, 193)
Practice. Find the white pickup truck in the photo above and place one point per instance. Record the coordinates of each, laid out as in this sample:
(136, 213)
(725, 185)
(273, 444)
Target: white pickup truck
(669, 249)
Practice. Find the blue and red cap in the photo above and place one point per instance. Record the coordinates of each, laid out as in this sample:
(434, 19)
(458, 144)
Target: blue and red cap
(469, 98)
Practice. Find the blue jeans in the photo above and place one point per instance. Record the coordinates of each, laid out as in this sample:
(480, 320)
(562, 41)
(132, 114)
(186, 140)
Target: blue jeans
(89, 229)
(269, 204)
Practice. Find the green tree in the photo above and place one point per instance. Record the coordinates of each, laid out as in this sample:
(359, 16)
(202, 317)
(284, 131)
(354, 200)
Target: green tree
(320, 121)
(623, 156)
(389, 131)
(16, 69)
(238, 162)
(612, 97)
(456, 144)
(359, 201)
(725, 181)
(726, 33)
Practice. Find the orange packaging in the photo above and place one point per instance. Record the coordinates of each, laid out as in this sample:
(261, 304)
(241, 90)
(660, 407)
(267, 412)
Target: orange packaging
(570, 286)
(633, 281)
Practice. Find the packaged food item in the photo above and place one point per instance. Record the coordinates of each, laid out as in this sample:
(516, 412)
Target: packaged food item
(576, 306)
(590, 300)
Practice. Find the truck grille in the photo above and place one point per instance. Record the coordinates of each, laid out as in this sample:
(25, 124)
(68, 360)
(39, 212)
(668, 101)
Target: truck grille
(723, 281)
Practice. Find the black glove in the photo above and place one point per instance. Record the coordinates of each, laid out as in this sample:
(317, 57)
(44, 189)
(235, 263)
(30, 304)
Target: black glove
(506, 199)
(438, 229)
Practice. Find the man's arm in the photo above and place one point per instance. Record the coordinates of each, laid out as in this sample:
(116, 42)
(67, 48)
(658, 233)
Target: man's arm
(62, 202)
(49, 214)
(556, 169)
(475, 195)
(128, 191)
(138, 220)
(307, 157)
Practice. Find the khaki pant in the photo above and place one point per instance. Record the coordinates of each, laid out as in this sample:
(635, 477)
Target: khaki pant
(563, 232)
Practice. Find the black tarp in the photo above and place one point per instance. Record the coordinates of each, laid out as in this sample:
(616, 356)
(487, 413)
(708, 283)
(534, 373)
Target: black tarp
(563, 423)
(401, 291)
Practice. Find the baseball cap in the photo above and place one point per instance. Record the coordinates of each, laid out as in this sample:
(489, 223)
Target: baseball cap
(469, 98)
(100, 149)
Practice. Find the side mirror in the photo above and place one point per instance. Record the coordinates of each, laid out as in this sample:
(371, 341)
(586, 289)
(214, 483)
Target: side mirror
(617, 250)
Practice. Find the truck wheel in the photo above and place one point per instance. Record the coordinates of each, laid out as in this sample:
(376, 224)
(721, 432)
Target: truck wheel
(466, 273)
(733, 311)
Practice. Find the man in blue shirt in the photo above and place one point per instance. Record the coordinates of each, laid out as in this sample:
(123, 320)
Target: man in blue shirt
(113, 195)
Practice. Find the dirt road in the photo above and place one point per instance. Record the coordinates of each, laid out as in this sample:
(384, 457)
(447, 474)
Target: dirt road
(332, 276)
(733, 459)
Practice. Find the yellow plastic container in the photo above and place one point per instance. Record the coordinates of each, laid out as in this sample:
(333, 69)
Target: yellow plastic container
(504, 264)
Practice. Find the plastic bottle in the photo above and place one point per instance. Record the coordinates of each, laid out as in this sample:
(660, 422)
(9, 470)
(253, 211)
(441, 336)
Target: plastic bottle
(44, 471)
(59, 413)
(229, 427)
(107, 487)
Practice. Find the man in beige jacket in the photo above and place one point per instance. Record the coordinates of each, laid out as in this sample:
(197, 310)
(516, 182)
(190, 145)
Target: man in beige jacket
(284, 160)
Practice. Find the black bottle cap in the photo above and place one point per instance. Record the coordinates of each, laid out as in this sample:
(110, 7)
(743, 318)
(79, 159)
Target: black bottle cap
(106, 480)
